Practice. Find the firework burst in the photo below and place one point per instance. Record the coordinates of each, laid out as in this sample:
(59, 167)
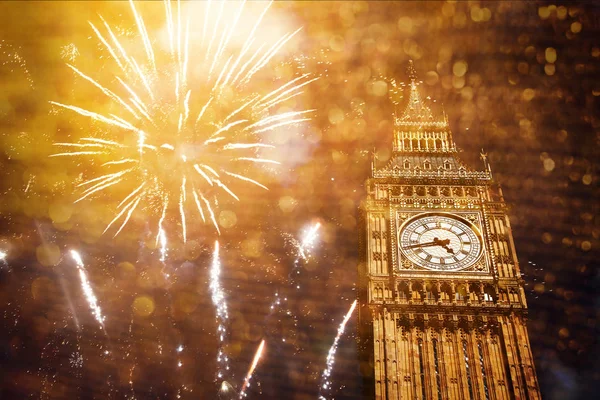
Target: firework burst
(188, 115)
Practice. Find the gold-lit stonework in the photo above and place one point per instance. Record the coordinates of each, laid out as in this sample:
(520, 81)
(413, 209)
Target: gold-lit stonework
(443, 312)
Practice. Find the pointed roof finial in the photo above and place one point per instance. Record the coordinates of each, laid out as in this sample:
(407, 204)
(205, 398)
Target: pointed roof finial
(411, 71)
(486, 163)
(416, 110)
(483, 156)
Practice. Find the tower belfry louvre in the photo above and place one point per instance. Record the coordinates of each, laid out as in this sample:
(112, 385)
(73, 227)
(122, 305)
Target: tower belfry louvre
(443, 310)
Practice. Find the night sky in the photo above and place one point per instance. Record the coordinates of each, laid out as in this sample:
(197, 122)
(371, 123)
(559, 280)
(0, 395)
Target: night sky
(520, 80)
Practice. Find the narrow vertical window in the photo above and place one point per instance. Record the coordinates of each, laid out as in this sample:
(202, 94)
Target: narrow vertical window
(466, 357)
(422, 368)
(437, 370)
(485, 387)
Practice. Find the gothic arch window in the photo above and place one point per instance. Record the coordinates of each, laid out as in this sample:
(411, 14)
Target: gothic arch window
(421, 367)
(484, 375)
(503, 296)
(417, 288)
(406, 164)
(468, 369)
(437, 369)
(430, 291)
(423, 144)
(438, 144)
(430, 295)
(446, 292)
(488, 293)
(376, 292)
(447, 165)
(461, 293)
(427, 164)
(474, 291)
(415, 144)
(406, 144)
(403, 292)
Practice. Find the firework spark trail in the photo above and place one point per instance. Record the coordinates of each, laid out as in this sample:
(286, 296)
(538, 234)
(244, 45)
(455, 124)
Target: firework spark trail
(255, 361)
(326, 384)
(303, 253)
(87, 290)
(308, 241)
(181, 133)
(67, 293)
(163, 245)
(218, 299)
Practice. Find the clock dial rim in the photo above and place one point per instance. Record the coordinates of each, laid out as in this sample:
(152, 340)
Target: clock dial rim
(461, 265)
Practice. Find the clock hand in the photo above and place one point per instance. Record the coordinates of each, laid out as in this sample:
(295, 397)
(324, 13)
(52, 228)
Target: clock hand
(435, 242)
(414, 246)
(448, 249)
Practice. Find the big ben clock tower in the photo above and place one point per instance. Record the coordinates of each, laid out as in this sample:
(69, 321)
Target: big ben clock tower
(443, 311)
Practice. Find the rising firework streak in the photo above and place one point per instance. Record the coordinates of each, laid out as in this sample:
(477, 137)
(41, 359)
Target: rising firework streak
(3, 256)
(218, 299)
(303, 252)
(325, 382)
(87, 289)
(308, 241)
(255, 361)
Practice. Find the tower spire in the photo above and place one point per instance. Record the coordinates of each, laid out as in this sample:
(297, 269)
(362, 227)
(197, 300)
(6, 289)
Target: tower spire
(417, 129)
(416, 110)
(411, 72)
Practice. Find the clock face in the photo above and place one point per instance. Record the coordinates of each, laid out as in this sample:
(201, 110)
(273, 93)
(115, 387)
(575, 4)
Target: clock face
(440, 242)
